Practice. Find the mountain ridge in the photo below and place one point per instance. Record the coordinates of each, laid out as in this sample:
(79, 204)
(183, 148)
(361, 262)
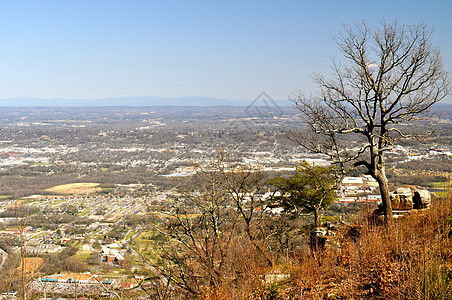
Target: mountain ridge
(136, 101)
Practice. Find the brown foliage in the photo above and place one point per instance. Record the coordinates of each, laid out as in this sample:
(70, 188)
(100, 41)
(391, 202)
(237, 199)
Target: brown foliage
(410, 259)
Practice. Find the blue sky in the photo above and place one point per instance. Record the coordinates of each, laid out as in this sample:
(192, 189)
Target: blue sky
(225, 49)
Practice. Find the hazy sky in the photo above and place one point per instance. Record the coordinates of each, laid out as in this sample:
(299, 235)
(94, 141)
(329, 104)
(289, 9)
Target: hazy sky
(226, 49)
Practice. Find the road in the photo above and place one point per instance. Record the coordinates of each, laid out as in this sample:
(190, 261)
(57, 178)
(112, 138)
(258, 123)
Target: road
(4, 256)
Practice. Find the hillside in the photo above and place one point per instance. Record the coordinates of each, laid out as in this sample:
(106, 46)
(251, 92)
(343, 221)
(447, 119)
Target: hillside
(410, 259)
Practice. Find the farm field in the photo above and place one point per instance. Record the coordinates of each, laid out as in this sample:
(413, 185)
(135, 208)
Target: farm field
(76, 188)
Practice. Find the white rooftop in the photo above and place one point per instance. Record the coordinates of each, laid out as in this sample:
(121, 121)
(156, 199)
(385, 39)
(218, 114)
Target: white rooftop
(352, 180)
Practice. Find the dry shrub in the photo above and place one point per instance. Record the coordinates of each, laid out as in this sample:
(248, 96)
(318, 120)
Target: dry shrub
(245, 265)
(408, 259)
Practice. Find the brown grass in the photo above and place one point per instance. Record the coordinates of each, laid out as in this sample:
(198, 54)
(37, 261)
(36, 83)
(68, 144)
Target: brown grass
(76, 188)
(32, 264)
(408, 259)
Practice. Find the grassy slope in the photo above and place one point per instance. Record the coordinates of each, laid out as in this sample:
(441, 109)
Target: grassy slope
(410, 259)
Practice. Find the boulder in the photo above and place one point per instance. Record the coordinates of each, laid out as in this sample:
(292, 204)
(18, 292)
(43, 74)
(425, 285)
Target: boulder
(403, 190)
(421, 199)
(402, 199)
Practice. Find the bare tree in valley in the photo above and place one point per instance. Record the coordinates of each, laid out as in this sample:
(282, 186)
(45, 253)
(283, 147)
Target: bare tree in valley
(245, 186)
(197, 244)
(392, 76)
(202, 250)
(16, 274)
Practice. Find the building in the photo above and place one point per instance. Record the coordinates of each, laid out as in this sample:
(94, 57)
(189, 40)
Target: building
(44, 248)
(110, 255)
(359, 189)
(352, 181)
(75, 278)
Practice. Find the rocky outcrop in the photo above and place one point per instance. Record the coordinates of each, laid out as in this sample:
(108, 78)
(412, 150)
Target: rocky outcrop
(407, 199)
(422, 199)
(402, 199)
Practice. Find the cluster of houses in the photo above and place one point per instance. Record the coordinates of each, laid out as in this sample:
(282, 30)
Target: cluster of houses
(44, 248)
(359, 189)
(27, 231)
(75, 278)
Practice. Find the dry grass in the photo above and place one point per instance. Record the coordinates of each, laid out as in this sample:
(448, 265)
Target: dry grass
(32, 264)
(408, 259)
(76, 188)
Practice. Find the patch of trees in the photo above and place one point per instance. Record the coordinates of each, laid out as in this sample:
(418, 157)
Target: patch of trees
(440, 163)
(347, 210)
(142, 220)
(19, 211)
(63, 261)
(117, 233)
(232, 231)
(418, 180)
(50, 220)
(77, 229)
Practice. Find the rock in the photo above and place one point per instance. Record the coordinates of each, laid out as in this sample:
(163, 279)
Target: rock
(275, 277)
(421, 199)
(402, 199)
(319, 231)
(402, 190)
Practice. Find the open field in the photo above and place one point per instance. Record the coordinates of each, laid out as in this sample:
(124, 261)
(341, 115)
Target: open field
(76, 188)
(130, 234)
(443, 185)
(84, 255)
(444, 194)
(443, 189)
(85, 212)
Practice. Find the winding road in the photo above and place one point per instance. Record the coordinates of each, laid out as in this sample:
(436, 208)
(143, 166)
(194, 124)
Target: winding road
(3, 256)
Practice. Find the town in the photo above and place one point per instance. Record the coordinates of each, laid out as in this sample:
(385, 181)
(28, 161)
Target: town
(83, 194)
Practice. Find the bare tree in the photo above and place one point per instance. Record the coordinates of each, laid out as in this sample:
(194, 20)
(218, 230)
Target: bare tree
(21, 226)
(201, 251)
(392, 76)
(198, 247)
(245, 186)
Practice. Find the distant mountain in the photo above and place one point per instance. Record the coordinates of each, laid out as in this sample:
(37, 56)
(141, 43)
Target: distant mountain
(136, 101)
(261, 102)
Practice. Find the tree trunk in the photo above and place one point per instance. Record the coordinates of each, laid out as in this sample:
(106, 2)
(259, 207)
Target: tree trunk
(316, 217)
(385, 199)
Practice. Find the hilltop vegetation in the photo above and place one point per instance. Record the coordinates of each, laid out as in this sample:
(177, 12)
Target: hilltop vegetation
(411, 259)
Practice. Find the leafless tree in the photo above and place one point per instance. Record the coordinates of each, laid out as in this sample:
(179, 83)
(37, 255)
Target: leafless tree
(195, 256)
(17, 273)
(392, 76)
(227, 209)
(245, 187)
(21, 223)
